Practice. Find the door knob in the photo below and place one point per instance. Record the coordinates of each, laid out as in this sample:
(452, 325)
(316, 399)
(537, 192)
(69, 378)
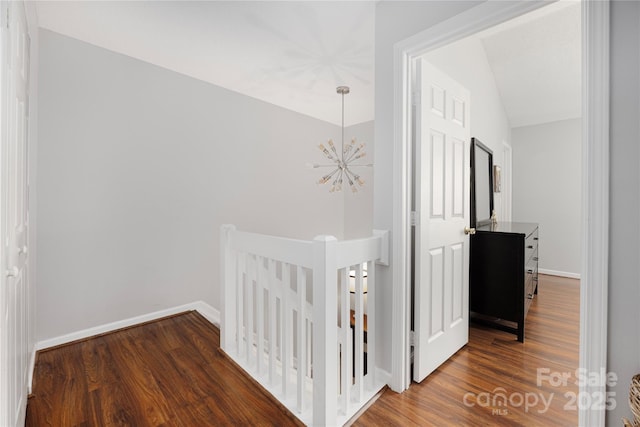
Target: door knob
(469, 230)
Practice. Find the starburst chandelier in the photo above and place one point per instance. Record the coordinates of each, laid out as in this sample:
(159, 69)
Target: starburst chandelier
(342, 163)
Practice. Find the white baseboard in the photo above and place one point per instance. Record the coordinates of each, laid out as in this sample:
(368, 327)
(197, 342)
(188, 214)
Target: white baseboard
(559, 273)
(210, 313)
(383, 375)
(32, 367)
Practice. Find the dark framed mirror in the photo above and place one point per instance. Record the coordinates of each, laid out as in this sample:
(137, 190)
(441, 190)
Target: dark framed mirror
(481, 183)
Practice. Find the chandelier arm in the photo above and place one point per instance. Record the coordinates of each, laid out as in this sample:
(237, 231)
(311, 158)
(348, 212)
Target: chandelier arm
(332, 173)
(336, 185)
(333, 148)
(350, 175)
(352, 156)
(328, 176)
(328, 154)
(353, 180)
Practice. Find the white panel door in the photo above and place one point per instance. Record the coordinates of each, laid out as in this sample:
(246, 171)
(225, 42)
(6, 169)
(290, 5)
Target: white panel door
(14, 212)
(442, 179)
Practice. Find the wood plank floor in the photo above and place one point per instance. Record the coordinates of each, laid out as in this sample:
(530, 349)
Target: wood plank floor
(171, 373)
(461, 392)
(164, 373)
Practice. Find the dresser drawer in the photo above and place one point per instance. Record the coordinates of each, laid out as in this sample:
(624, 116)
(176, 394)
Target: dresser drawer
(531, 246)
(530, 285)
(529, 291)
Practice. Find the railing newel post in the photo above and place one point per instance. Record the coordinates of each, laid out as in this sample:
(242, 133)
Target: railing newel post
(227, 287)
(325, 331)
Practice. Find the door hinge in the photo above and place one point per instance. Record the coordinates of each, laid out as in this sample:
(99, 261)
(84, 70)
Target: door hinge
(414, 218)
(412, 338)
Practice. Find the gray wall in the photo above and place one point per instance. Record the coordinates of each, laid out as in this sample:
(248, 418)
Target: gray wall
(623, 351)
(547, 170)
(358, 207)
(139, 166)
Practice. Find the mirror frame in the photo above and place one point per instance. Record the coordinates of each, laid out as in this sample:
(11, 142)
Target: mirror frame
(477, 219)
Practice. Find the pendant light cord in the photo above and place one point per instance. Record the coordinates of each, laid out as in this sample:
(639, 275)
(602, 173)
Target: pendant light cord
(342, 142)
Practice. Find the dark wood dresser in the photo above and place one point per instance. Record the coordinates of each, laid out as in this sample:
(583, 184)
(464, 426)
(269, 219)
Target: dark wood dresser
(503, 274)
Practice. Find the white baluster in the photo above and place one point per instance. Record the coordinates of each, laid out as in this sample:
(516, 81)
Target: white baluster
(272, 321)
(371, 324)
(302, 334)
(285, 320)
(240, 301)
(359, 334)
(345, 322)
(249, 307)
(260, 277)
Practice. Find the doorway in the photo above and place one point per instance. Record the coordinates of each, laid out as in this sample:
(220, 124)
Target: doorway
(594, 190)
(513, 72)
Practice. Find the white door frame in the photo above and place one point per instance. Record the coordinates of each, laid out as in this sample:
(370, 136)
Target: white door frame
(507, 181)
(595, 179)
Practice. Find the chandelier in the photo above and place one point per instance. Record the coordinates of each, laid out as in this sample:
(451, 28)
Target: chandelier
(342, 164)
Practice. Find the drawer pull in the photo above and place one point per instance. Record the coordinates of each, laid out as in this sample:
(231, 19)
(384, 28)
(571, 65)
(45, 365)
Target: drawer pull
(530, 271)
(535, 238)
(530, 247)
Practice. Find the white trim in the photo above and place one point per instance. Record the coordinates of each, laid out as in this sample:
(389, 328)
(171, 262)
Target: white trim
(467, 23)
(32, 367)
(595, 171)
(210, 313)
(559, 273)
(507, 181)
(400, 315)
(595, 201)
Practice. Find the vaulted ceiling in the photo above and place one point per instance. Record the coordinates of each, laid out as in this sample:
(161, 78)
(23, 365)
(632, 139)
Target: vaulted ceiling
(294, 54)
(536, 63)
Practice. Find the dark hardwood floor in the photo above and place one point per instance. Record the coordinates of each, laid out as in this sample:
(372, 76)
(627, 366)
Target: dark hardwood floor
(465, 390)
(171, 373)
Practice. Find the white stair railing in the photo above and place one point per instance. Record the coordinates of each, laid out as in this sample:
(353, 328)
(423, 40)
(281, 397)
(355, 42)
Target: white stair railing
(287, 315)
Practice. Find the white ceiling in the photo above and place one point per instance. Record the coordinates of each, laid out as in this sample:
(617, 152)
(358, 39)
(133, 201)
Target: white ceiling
(294, 54)
(536, 62)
